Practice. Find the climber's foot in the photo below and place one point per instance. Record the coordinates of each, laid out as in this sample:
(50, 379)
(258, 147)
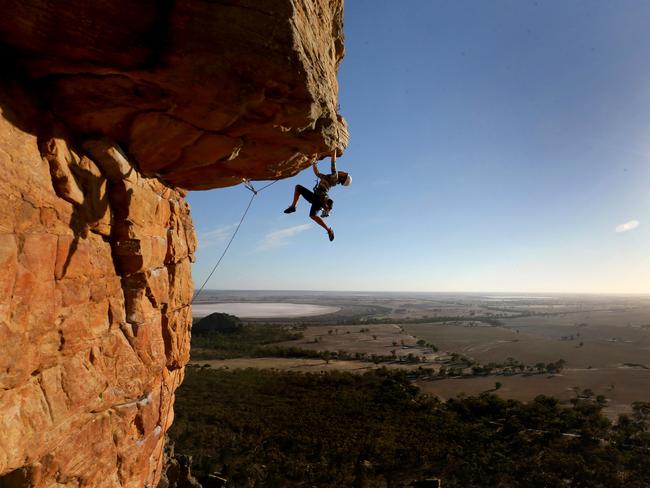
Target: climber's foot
(290, 209)
(330, 233)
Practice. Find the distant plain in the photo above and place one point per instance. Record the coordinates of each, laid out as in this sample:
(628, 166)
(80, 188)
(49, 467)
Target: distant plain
(604, 340)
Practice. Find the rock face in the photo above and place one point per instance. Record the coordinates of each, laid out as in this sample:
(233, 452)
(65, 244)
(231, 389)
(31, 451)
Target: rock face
(108, 111)
(200, 93)
(95, 316)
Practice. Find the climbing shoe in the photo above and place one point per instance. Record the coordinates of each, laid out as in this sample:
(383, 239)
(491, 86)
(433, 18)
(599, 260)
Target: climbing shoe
(290, 209)
(330, 233)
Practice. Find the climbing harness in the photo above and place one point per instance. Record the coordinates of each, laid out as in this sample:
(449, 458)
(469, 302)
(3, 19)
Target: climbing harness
(254, 192)
(324, 199)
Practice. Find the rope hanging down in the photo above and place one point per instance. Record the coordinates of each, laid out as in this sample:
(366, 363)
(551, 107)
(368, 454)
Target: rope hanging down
(248, 185)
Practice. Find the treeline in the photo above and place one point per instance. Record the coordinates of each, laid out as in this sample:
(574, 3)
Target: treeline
(462, 365)
(272, 429)
(222, 336)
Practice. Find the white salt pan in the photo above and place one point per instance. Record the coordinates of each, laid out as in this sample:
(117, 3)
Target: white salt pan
(262, 310)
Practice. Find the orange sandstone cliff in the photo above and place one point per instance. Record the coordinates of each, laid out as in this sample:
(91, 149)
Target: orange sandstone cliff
(109, 112)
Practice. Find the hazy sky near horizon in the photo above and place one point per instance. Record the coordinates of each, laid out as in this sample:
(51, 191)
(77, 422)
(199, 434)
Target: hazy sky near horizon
(495, 146)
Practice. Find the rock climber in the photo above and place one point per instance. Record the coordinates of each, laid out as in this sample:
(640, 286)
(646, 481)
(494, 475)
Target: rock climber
(319, 198)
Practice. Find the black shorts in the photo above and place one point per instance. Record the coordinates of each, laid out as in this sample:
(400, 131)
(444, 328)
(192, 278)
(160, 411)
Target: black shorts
(315, 200)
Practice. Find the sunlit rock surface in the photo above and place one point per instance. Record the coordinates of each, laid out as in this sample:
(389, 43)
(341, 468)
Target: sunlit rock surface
(95, 316)
(108, 110)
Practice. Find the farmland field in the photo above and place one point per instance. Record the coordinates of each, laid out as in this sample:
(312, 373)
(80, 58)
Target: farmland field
(603, 342)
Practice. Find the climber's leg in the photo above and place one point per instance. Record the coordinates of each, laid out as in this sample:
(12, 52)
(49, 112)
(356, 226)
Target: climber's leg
(300, 191)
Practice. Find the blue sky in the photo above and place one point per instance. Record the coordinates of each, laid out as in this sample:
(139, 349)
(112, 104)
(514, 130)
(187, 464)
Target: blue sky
(495, 146)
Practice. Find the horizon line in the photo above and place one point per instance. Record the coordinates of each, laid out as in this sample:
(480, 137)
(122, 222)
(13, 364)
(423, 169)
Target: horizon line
(594, 293)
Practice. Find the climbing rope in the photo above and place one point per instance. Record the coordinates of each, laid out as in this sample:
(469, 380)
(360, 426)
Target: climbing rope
(266, 186)
(248, 185)
(255, 192)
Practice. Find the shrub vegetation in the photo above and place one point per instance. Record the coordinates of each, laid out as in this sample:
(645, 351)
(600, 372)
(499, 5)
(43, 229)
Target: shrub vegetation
(223, 336)
(269, 428)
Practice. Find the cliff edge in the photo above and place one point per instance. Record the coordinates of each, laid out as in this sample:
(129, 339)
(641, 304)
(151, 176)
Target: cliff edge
(110, 111)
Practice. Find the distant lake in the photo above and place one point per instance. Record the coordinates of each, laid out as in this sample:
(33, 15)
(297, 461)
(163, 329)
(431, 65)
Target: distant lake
(262, 310)
(503, 298)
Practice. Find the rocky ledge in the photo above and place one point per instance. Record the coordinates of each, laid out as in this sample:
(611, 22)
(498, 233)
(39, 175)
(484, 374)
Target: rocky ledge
(199, 93)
